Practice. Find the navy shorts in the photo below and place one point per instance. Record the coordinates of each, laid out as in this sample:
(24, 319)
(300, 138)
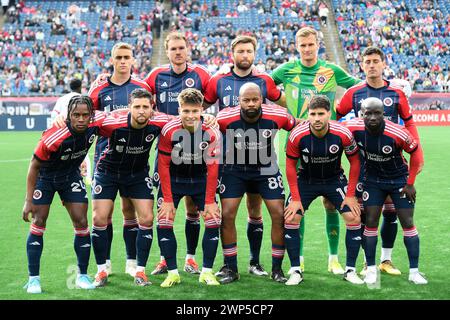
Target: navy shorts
(138, 186)
(375, 194)
(196, 191)
(71, 190)
(234, 184)
(334, 191)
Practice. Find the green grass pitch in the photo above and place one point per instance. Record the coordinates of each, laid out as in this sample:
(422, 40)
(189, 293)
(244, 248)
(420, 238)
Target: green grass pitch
(58, 260)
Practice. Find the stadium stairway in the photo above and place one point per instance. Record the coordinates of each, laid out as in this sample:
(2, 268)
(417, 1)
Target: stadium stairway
(159, 56)
(335, 52)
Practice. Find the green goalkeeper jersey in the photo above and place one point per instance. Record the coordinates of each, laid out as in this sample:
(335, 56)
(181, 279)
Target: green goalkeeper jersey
(301, 83)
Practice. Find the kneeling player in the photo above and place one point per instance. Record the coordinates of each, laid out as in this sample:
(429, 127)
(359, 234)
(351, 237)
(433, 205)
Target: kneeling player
(318, 145)
(55, 168)
(188, 163)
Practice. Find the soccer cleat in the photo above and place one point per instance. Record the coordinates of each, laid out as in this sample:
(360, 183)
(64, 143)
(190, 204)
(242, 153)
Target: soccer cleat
(387, 267)
(257, 270)
(278, 276)
(101, 279)
(417, 278)
(160, 268)
(130, 267)
(108, 267)
(191, 266)
(229, 276)
(352, 277)
(295, 278)
(363, 270)
(84, 282)
(208, 278)
(371, 276)
(33, 286)
(335, 267)
(223, 270)
(141, 279)
(172, 279)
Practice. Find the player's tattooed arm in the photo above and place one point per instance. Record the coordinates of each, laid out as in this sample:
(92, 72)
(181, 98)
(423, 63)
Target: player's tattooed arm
(33, 172)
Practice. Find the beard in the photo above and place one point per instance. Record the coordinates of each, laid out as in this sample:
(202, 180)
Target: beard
(245, 65)
(252, 113)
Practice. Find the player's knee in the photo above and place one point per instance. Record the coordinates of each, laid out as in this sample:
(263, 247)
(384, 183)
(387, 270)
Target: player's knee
(39, 221)
(352, 219)
(146, 221)
(407, 221)
(254, 206)
(99, 220)
(80, 222)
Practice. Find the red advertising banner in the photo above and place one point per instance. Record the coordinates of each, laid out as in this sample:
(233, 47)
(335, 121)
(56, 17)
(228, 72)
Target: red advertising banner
(431, 109)
(432, 117)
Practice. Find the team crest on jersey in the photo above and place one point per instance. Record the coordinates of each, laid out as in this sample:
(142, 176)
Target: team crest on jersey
(365, 196)
(149, 138)
(98, 189)
(189, 82)
(359, 187)
(386, 149)
(388, 102)
(321, 79)
(37, 194)
(156, 176)
(226, 100)
(203, 145)
(334, 148)
(119, 148)
(267, 133)
(91, 138)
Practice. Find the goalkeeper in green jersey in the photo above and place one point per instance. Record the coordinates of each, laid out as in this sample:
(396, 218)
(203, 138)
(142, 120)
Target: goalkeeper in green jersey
(302, 79)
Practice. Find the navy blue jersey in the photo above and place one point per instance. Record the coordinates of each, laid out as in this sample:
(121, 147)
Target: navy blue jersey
(166, 85)
(62, 151)
(249, 146)
(320, 158)
(108, 97)
(225, 87)
(384, 161)
(127, 148)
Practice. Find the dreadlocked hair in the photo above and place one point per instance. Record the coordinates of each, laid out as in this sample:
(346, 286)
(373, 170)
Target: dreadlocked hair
(80, 99)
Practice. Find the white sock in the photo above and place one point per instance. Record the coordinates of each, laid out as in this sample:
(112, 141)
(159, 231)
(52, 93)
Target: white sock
(190, 256)
(204, 270)
(140, 269)
(108, 262)
(162, 258)
(302, 260)
(174, 271)
(372, 268)
(131, 261)
(332, 257)
(101, 267)
(34, 277)
(386, 254)
(413, 270)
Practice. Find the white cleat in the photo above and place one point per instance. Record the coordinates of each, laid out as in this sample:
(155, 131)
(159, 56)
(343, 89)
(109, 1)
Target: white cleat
(417, 278)
(33, 286)
(84, 282)
(295, 278)
(371, 276)
(352, 277)
(130, 267)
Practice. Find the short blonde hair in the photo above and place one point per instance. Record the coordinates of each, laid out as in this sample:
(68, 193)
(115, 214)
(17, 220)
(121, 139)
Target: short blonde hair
(121, 45)
(190, 96)
(243, 39)
(174, 36)
(306, 32)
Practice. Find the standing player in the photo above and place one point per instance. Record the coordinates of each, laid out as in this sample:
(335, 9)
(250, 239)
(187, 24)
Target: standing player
(302, 79)
(250, 164)
(225, 88)
(396, 108)
(386, 173)
(188, 164)
(316, 147)
(123, 167)
(111, 94)
(166, 83)
(55, 168)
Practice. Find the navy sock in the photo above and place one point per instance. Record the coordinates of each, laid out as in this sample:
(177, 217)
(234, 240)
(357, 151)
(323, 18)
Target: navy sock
(230, 255)
(143, 244)
(82, 246)
(210, 242)
(277, 256)
(130, 233)
(389, 228)
(168, 243)
(192, 231)
(412, 244)
(99, 238)
(292, 241)
(255, 228)
(110, 232)
(353, 243)
(371, 239)
(35, 245)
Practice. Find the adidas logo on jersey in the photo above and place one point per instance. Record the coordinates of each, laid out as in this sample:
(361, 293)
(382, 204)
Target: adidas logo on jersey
(122, 140)
(68, 150)
(35, 243)
(305, 150)
(360, 144)
(164, 84)
(108, 98)
(228, 88)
